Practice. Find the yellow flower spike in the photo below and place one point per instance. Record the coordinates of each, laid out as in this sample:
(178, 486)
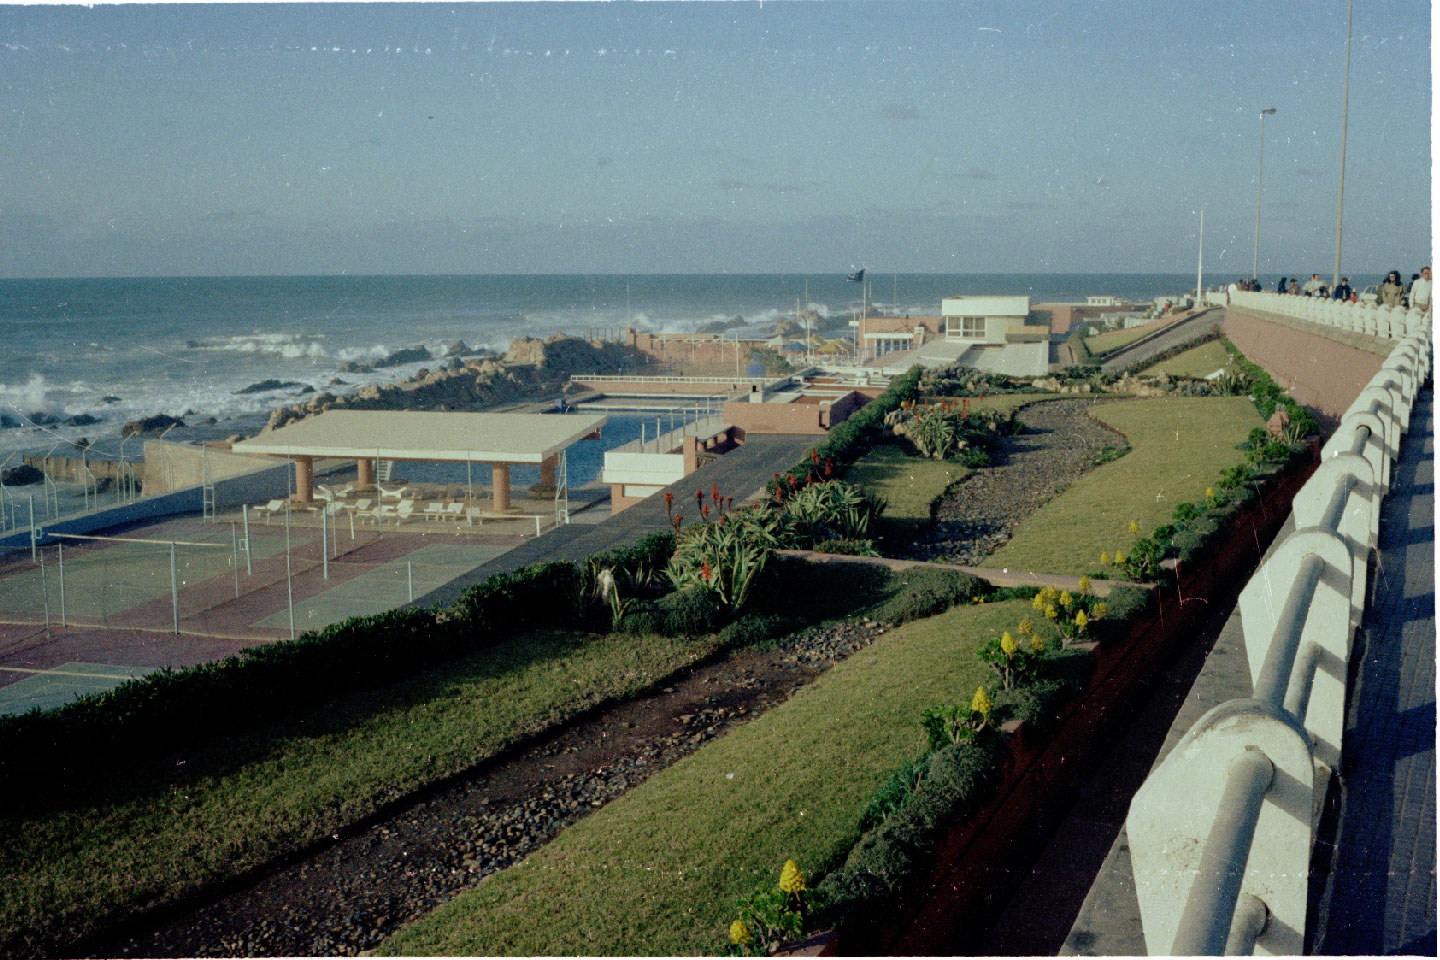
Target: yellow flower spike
(1119, 557)
(1100, 610)
(1084, 584)
(1037, 644)
(739, 933)
(980, 703)
(1039, 602)
(1134, 526)
(1065, 598)
(1081, 620)
(1007, 644)
(1209, 493)
(1050, 612)
(791, 879)
(1104, 556)
(1025, 626)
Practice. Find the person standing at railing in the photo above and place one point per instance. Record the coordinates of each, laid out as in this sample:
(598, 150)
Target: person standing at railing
(1421, 291)
(1313, 286)
(1392, 291)
(1342, 290)
(1280, 288)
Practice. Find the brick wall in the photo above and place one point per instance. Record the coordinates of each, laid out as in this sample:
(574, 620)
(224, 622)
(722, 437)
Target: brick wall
(1322, 374)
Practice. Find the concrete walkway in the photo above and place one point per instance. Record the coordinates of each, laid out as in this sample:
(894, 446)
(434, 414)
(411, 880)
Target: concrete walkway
(739, 474)
(1383, 873)
(1180, 332)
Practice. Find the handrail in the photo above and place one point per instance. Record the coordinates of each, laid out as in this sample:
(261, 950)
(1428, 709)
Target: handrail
(1393, 323)
(1287, 650)
(640, 378)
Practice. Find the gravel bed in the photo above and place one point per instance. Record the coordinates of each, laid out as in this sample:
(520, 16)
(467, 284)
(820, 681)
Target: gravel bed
(348, 896)
(981, 513)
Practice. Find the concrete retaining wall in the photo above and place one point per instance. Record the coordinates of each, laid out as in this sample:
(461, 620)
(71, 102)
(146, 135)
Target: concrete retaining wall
(1322, 374)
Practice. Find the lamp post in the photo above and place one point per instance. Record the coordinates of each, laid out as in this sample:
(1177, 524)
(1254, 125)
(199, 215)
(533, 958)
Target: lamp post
(1255, 263)
(1344, 123)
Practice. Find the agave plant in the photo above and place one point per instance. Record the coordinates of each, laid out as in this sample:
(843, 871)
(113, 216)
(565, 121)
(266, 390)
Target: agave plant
(833, 509)
(933, 433)
(726, 555)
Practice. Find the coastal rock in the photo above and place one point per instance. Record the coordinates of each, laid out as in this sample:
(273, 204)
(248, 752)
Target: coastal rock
(266, 386)
(461, 349)
(337, 382)
(42, 419)
(8, 422)
(720, 326)
(81, 420)
(305, 391)
(147, 426)
(413, 354)
(209, 420)
(353, 366)
(20, 476)
(110, 400)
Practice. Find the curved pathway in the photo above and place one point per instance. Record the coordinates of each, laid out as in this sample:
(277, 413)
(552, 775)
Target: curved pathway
(1059, 445)
(1174, 335)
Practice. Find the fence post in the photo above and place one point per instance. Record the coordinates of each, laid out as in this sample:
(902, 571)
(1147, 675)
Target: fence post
(45, 591)
(410, 578)
(174, 590)
(289, 587)
(325, 541)
(245, 513)
(235, 557)
(60, 551)
(33, 551)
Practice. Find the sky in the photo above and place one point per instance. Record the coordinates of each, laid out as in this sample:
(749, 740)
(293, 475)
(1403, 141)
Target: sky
(954, 137)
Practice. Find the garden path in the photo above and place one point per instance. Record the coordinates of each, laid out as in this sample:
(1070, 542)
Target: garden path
(1060, 444)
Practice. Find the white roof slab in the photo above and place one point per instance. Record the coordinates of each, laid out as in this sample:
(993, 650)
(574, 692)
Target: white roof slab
(984, 306)
(423, 435)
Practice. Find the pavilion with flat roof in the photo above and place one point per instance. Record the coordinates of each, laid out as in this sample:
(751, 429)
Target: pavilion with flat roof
(366, 436)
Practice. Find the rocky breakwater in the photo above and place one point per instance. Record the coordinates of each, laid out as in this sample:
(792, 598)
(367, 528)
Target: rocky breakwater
(530, 369)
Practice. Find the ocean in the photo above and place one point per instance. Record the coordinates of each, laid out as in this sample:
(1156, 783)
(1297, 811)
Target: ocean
(187, 346)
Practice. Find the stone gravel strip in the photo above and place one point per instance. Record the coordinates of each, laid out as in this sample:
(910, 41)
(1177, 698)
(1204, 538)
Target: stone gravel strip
(981, 513)
(350, 896)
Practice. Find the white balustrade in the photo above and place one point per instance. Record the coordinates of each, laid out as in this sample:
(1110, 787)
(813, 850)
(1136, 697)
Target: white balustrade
(1221, 832)
(1386, 322)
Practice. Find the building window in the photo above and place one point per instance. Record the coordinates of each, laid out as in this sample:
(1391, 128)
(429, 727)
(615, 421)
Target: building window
(972, 328)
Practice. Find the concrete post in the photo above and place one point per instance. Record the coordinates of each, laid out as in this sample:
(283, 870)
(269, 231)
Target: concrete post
(365, 469)
(500, 485)
(304, 479)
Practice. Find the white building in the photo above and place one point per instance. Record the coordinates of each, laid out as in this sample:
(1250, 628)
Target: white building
(986, 333)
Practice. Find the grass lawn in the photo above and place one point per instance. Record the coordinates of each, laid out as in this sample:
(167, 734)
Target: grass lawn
(1104, 344)
(242, 802)
(660, 870)
(909, 482)
(1196, 362)
(1178, 448)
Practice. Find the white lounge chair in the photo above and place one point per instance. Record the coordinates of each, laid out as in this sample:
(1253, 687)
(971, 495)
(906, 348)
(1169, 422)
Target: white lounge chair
(435, 511)
(272, 508)
(474, 516)
(397, 493)
(324, 492)
(363, 505)
(454, 511)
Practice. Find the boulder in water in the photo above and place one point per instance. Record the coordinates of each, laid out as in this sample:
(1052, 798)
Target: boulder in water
(109, 399)
(20, 476)
(147, 426)
(266, 386)
(81, 420)
(415, 354)
(353, 366)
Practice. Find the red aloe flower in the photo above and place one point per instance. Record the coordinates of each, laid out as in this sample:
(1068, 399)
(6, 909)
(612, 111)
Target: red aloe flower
(705, 512)
(699, 497)
(814, 457)
(730, 503)
(829, 466)
(715, 491)
(669, 503)
(793, 482)
(705, 570)
(677, 520)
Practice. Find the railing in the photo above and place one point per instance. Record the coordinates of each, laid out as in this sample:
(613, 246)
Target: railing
(638, 378)
(1389, 323)
(1221, 832)
(668, 441)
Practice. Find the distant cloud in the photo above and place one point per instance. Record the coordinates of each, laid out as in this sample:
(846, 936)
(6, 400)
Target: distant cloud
(899, 111)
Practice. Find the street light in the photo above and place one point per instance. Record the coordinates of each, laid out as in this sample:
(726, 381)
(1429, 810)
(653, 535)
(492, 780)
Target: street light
(1255, 263)
(1344, 123)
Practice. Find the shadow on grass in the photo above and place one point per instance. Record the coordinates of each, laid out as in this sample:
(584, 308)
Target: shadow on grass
(226, 755)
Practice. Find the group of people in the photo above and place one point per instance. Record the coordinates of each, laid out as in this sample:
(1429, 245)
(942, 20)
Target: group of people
(1394, 292)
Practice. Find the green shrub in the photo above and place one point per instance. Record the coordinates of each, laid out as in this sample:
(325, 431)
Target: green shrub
(854, 548)
(927, 592)
(642, 618)
(691, 611)
(975, 458)
(893, 793)
(754, 630)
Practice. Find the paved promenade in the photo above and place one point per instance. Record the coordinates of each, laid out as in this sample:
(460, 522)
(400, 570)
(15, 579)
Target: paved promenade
(1180, 332)
(1382, 876)
(739, 473)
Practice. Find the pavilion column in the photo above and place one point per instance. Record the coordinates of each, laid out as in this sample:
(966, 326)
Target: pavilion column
(547, 474)
(365, 468)
(304, 479)
(500, 486)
